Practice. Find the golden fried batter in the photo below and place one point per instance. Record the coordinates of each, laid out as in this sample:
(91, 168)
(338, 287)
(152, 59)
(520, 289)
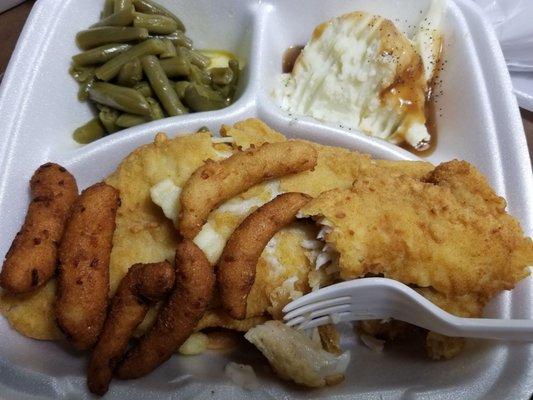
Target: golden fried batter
(83, 273)
(32, 314)
(32, 259)
(236, 268)
(220, 319)
(195, 282)
(251, 133)
(143, 285)
(450, 234)
(216, 182)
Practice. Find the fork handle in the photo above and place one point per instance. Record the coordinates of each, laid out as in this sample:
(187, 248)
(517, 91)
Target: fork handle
(485, 328)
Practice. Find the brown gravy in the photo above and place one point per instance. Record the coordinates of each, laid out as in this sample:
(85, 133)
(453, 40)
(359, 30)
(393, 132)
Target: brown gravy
(289, 58)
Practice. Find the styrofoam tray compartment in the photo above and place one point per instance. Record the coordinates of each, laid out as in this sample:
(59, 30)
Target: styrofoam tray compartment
(479, 122)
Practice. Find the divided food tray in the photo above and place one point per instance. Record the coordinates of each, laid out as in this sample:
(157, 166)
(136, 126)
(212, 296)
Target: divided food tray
(478, 121)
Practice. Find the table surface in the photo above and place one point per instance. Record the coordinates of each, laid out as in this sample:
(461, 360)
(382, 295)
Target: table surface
(12, 21)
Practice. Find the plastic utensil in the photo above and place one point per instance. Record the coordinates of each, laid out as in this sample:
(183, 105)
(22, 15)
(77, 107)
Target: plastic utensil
(381, 298)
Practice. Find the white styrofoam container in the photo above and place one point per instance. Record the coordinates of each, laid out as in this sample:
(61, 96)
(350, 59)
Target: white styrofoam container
(479, 122)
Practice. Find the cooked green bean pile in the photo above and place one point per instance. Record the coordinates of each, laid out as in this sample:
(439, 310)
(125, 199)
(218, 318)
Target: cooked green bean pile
(138, 65)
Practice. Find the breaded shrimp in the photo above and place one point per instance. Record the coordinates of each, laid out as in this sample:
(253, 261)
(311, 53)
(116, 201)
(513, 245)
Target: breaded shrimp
(83, 273)
(215, 182)
(236, 268)
(143, 285)
(32, 259)
(195, 282)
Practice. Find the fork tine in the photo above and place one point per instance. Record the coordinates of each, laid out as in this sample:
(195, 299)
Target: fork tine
(316, 306)
(342, 289)
(308, 316)
(327, 319)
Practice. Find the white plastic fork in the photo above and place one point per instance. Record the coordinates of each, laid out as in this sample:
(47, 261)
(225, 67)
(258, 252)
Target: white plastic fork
(382, 298)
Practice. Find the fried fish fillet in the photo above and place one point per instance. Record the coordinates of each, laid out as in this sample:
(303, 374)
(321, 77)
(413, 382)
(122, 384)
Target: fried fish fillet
(447, 234)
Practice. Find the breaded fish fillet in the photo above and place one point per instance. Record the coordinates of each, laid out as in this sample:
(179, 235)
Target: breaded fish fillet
(448, 235)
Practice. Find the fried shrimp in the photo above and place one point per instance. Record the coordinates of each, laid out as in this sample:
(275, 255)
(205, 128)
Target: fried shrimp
(195, 282)
(143, 285)
(216, 182)
(32, 259)
(83, 273)
(236, 269)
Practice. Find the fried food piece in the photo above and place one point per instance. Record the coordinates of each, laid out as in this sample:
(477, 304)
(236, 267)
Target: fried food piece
(83, 273)
(32, 314)
(251, 132)
(294, 356)
(330, 339)
(216, 182)
(143, 233)
(236, 269)
(449, 235)
(221, 319)
(143, 285)
(195, 282)
(440, 347)
(32, 258)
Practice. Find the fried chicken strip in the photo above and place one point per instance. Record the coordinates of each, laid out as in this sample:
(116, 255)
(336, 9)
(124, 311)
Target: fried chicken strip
(32, 259)
(83, 273)
(195, 282)
(236, 269)
(216, 182)
(143, 285)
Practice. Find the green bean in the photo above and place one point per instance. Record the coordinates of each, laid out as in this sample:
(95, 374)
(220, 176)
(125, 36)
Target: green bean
(85, 87)
(150, 7)
(156, 112)
(162, 87)
(85, 77)
(111, 68)
(89, 132)
(121, 18)
(144, 89)
(180, 88)
(178, 38)
(80, 73)
(194, 57)
(175, 66)
(131, 73)
(108, 118)
(158, 24)
(121, 98)
(129, 120)
(109, 6)
(170, 50)
(121, 5)
(109, 34)
(229, 90)
(199, 76)
(100, 54)
(201, 98)
(221, 76)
